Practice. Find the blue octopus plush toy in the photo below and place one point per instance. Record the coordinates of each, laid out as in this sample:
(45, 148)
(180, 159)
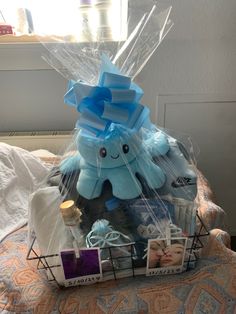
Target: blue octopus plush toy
(111, 141)
(119, 158)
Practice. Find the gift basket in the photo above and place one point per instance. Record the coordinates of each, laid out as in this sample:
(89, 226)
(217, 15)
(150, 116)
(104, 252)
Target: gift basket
(121, 202)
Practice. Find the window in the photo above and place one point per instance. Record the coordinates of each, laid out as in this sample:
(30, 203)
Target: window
(73, 20)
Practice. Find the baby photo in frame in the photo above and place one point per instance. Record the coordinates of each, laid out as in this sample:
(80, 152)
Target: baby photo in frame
(165, 256)
(83, 269)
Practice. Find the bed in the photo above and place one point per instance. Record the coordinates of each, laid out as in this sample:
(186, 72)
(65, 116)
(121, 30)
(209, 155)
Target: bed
(209, 288)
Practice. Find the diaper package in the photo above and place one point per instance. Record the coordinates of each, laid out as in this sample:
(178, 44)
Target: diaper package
(121, 202)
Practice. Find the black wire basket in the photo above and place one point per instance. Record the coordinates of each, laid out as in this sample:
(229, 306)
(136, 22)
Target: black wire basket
(196, 240)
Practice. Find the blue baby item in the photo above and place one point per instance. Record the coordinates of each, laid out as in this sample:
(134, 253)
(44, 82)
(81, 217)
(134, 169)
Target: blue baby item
(148, 216)
(103, 235)
(115, 245)
(119, 157)
(181, 181)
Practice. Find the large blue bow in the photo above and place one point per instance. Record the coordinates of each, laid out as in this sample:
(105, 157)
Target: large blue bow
(114, 100)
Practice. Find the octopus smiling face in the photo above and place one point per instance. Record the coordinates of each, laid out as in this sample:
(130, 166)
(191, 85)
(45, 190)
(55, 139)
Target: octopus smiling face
(117, 149)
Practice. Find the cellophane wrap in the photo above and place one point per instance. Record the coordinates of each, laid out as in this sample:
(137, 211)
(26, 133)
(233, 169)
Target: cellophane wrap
(121, 201)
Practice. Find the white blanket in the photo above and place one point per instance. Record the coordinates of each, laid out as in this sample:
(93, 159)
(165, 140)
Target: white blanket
(20, 174)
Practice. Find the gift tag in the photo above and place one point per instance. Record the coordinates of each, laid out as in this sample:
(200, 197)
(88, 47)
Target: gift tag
(83, 270)
(166, 256)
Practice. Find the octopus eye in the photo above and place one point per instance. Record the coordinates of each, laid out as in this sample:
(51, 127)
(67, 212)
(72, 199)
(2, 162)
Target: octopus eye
(103, 152)
(125, 148)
